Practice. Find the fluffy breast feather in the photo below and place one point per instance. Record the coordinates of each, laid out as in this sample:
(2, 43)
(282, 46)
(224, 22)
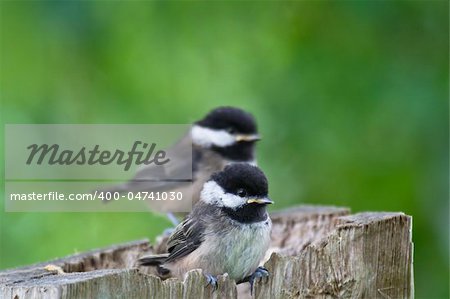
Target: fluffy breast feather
(228, 247)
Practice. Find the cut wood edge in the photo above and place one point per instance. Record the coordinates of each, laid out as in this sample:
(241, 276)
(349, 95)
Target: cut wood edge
(121, 256)
(348, 263)
(341, 259)
(118, 283)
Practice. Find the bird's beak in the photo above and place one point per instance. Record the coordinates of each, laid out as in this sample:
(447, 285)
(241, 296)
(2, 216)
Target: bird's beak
(252, 137)
(261, 201)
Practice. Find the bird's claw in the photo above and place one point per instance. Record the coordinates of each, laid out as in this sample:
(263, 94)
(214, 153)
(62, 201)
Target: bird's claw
(211, 280)
(260, 272)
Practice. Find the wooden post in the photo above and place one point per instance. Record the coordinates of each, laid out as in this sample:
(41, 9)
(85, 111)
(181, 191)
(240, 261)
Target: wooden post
(317, 252)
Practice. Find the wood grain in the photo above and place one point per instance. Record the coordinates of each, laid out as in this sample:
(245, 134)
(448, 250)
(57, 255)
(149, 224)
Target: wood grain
(316, 252)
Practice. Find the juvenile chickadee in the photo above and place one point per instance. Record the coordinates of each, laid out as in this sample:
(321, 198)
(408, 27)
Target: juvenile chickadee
(226, 135)
(228, 230)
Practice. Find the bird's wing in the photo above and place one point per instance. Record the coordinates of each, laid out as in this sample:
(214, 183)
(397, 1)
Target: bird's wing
(179, 167)
(168, 176)
(187, 237)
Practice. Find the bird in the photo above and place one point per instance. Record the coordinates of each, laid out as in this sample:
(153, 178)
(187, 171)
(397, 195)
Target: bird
(225, 135)
(228, 230)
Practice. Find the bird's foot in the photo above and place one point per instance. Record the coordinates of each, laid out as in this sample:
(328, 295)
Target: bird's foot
(260, 272)
(211, 280)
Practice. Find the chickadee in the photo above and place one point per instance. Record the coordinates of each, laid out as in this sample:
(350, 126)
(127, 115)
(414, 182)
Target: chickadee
(226, 135)
(228, 230)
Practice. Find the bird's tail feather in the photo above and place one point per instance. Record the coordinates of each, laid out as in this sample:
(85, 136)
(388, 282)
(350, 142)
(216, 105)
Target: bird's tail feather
(153, 260)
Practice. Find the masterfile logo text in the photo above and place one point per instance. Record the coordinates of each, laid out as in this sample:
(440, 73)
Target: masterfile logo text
(57, 167)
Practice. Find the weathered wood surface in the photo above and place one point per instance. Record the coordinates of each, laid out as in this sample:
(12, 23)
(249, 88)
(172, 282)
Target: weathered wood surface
(317, 252)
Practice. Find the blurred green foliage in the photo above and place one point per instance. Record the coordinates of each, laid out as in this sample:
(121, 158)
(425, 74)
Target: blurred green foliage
(351, 99)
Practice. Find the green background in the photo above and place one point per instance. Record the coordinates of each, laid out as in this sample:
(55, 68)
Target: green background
(351, 99)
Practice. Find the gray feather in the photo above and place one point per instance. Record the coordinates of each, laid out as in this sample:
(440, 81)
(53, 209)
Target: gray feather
(211, 240)
(153, 260)
(186, 238)
(173, 176)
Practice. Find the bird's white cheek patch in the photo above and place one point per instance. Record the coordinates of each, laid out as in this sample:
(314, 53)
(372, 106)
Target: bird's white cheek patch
(232, 201)
(208, 137)
(212, 193)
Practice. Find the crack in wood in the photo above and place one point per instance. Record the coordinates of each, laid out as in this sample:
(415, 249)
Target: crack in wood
(317, 252)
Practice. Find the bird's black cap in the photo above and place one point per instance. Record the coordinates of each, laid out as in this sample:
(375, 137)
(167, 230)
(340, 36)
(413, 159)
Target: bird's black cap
(239, 177)
(231, 119)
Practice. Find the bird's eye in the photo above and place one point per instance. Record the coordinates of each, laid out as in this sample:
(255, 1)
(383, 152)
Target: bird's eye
(231, 130)
(241, 192)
